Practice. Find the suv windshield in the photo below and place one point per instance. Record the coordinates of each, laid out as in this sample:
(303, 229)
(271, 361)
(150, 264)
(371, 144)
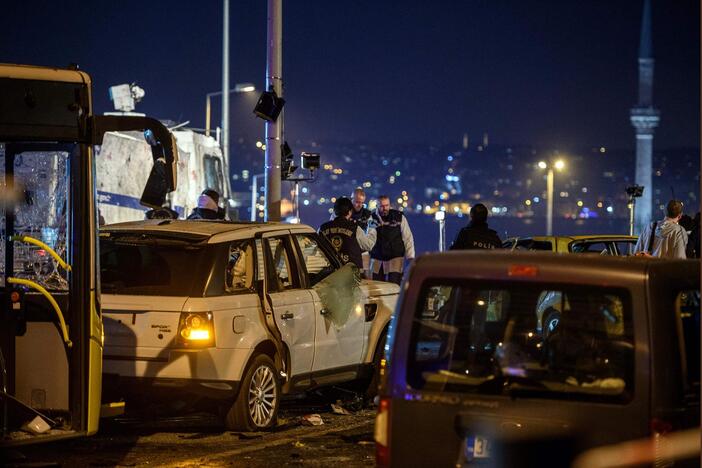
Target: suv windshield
(549, 341)
(137, 265)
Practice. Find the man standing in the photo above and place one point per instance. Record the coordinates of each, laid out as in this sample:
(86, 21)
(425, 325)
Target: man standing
(477, 235)
(360, 214)
(395, 243)
(346, 236)
(207, 206)
(666, 238)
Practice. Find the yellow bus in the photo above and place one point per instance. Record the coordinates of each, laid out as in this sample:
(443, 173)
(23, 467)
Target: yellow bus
(51, 332)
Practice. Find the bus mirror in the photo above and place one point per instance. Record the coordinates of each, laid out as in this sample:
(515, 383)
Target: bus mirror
(157, 187)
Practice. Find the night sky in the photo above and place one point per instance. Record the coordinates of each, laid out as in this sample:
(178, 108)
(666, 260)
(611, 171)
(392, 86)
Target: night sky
(548, 73)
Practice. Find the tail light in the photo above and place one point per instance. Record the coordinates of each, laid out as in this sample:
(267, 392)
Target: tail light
(195, 330)
(382, 433)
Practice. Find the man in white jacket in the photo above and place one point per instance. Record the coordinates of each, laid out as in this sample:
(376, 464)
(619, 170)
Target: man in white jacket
(666, 238)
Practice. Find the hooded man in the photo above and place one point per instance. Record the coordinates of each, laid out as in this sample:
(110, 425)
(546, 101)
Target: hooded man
(666, 238)
(207, 206)
(477, 235)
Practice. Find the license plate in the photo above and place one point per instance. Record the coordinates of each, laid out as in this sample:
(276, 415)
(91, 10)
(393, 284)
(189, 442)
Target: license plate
(476, 447)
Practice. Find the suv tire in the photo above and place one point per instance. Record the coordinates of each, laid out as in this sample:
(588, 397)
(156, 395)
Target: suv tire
(256, 405)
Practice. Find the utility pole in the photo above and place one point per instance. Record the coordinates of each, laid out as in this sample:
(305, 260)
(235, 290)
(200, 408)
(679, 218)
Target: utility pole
(549, 202)
(225, 94)
(274, 81)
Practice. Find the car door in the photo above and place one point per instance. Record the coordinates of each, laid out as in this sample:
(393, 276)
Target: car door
(293, 307)
(338, 343)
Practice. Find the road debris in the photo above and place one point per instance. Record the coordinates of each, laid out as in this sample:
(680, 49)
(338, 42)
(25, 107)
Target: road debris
(312, 420)
(338, 409)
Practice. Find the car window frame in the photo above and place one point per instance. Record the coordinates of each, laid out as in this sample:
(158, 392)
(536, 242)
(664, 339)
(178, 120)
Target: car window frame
(226, 251)
(293, 264)
(326, 247)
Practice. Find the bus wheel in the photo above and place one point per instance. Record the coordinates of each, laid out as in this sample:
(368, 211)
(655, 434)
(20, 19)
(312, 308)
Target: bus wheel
(256, 405)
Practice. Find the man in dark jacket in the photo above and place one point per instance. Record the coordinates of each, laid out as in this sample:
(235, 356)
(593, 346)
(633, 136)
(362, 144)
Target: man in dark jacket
(395, 243)
(346, 236)
(477, 235)
(207, 206)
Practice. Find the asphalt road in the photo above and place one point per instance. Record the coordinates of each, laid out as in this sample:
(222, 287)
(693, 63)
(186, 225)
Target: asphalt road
(192, 439)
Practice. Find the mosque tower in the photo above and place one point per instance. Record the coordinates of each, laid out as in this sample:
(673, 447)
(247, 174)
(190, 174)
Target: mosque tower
(644, 118)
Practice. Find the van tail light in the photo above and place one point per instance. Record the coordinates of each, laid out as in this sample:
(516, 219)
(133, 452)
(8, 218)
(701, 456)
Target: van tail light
(195, 330)
(382, 433)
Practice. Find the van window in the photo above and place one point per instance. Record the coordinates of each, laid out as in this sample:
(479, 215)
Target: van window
(213, 172)
(687, 308)
(473, 337)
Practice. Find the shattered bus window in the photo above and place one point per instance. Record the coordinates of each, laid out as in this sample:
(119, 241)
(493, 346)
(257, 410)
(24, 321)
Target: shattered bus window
(38, 198)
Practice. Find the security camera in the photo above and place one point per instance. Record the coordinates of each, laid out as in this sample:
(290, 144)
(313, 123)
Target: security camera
(310, 161)
(635, 191)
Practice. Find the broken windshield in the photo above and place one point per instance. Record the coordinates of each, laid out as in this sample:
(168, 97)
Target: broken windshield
(37, 196)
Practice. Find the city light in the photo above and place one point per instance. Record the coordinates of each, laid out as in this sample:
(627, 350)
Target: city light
(580, 203)
(559, 164)
(542, 165)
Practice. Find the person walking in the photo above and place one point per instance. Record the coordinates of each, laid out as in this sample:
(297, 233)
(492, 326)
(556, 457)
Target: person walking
(207, 206)
(666, 238)
(477, 234)
(346, 236)
(394, 245)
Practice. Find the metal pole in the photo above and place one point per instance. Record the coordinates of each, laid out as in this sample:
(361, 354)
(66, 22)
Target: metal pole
(632, 214)
(297, 201)
(225, 94)
(208, 109)
(274, 73)
(442, 235)
(549, 205)
(254, 197)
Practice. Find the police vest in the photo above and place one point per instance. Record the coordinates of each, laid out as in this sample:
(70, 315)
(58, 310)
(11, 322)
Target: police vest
(389, 244)
(341, 233)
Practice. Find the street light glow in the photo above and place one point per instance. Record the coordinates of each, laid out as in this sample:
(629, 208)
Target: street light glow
(542, 165)
(559, 164)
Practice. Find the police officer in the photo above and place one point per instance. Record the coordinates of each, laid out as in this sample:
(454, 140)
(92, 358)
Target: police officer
(477, 235)
(360, 214)
(347, 237)
(395, 243)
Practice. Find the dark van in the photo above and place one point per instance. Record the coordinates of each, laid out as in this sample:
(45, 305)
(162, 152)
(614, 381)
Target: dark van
(469, 363)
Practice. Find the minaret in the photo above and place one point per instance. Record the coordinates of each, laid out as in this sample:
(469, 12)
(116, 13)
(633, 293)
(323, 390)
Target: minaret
(644, 118)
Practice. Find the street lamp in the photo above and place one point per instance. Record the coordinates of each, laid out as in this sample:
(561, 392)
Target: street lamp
(238, 88)
(558, 165)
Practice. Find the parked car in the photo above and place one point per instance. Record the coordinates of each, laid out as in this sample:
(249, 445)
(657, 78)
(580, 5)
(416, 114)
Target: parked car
(599, 244)
(241, 312)
(468, 367)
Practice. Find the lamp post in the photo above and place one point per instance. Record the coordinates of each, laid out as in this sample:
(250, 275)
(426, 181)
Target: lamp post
(558, 165)
(238, 88)
(254, 194)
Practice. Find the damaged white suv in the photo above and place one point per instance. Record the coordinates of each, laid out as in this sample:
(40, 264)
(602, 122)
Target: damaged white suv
(244, 312)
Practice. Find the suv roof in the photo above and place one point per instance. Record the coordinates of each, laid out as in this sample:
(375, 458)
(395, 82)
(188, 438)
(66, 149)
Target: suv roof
(203, 230)
(549, 266)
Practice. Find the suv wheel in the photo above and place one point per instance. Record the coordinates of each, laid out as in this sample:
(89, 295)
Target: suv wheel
(256, 405)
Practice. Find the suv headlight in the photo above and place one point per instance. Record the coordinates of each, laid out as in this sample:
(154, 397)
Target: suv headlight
(196, 330)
